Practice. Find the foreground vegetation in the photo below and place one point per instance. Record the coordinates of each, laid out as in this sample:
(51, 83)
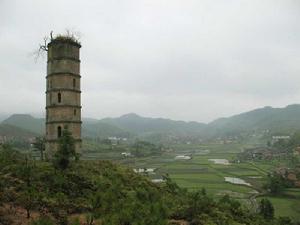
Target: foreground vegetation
(100, 192)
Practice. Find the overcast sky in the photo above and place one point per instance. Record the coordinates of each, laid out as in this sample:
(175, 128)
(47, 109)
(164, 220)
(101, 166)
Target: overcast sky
(179, 59)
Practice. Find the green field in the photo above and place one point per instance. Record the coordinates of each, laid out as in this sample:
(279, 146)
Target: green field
(287, 205)
(199, 172)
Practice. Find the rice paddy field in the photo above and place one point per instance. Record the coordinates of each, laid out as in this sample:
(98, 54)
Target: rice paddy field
(207, 167)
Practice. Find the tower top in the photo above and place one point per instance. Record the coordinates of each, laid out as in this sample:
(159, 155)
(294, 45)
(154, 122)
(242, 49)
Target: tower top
(64, 40)
(64, 47)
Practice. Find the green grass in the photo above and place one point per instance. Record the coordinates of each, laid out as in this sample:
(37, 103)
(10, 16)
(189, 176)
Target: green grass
(293, 192)
(286, 206)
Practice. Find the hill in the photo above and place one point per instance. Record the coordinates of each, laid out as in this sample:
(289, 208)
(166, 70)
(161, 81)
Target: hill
(3, 117)
(90, 128)
(95, 128)
(276, 120)
(13, 132)
(139, 125)
(26, 122)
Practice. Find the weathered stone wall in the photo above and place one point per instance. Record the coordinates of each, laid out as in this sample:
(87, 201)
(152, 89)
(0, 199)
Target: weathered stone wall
(63, 95)
(68, 98)
(63, 114)
(63, 66)
(63, 49)
(52, 134)
(63, 81)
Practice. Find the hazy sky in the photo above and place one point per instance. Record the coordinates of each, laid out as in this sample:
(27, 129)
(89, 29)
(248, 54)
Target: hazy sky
(180, 59)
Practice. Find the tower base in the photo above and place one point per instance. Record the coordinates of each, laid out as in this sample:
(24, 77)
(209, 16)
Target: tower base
(52, 146)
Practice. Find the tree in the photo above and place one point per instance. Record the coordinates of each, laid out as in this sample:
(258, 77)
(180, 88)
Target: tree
(43, 48)
(66, 150)
(95, 204)
(266, 209)
(39, 145)
(28, 195)
(285, 221)
(275, 184)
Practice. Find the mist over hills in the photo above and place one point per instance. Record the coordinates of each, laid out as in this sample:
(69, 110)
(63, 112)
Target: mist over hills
(27, 122)
(3, 116)
(9, 131)
(277, 120)
(137, 124)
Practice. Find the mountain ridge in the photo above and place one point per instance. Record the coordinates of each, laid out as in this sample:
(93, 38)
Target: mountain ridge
(131, 124)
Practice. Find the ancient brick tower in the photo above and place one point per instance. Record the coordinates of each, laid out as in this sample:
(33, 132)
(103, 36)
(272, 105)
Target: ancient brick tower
(63, 104)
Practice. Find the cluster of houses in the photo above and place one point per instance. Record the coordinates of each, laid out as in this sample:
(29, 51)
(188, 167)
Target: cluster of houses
(227, 140)
(279, 138)
(117, 140)
(292, 175)
(265, 153)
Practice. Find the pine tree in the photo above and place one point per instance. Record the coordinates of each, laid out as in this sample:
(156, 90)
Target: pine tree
(266, 209)
(66, 150)
(39, 145)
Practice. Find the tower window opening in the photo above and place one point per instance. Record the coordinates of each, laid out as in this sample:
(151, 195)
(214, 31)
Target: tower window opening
(74, 83)
(59, 131)
(74, 112)
(59, 97)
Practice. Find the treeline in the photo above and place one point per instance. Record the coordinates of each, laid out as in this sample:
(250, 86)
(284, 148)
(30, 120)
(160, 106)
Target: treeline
(136, 148)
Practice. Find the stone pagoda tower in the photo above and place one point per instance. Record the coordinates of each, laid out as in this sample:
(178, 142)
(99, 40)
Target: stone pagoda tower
(63, 101)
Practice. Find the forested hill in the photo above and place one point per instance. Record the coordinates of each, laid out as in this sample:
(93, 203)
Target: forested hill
(138, 124)
(8, 132)
(124, 126)
(30, 125)
(276, 120)
(26, 122)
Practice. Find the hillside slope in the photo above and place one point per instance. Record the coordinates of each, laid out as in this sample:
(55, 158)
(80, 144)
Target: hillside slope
(138, 125)
(90, 127)
(8, 132)
(277, 120)
(26, 122)
(96, 129)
